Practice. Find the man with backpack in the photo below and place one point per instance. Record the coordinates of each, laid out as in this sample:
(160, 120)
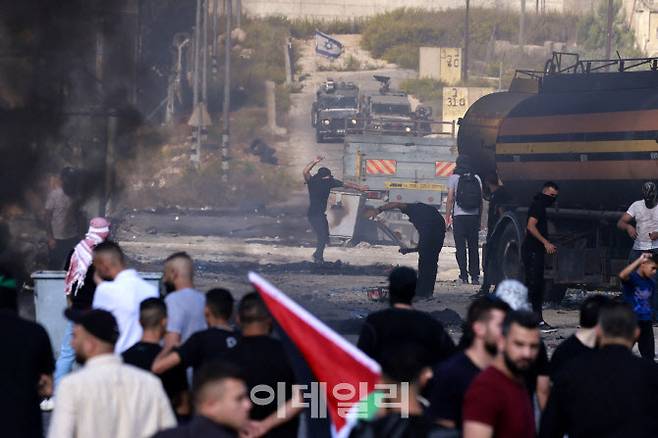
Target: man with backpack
(463, 210)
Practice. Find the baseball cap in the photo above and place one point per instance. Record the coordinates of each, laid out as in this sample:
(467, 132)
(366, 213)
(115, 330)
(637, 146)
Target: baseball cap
(99, 323)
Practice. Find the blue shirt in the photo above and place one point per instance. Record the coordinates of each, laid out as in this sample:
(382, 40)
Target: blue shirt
(638, 292)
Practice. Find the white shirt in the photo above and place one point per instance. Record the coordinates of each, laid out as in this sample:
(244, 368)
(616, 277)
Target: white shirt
(646, 221)
(108, 399)
(453, 182)
(122, 297)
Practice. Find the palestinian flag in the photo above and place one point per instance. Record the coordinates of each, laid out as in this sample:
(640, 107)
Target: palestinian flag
(321, 356)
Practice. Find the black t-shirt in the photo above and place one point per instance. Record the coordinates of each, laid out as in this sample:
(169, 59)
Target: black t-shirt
(538, 211)
(607, 393)
(83, 297)
(318, 193)
(539, 368)
(211, 343)
(26, 355)
(263, 361)
(498, 199)
(393, 425)
(142, 355)
(395, 326)
(565, 353)
(425, 218)
(451, 380)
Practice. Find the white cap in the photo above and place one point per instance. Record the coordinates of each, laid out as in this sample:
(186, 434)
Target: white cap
(514, 293)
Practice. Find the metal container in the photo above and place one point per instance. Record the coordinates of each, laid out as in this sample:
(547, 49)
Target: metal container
(50, 301)
(595, 134)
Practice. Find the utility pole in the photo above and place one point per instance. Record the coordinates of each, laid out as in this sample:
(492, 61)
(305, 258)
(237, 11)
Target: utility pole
(215, 26)
(522, 25)
(204, 71)
(608, 46)
(226, 108)
(238, 14)
(195, 95)
(466, 39)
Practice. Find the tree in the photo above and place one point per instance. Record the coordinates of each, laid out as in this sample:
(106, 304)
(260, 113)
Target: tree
(592, 32)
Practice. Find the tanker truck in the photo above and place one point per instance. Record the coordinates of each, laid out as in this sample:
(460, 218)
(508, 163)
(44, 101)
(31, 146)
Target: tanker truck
(590, 126)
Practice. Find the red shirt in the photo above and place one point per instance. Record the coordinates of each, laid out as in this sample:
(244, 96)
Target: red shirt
(503, 403)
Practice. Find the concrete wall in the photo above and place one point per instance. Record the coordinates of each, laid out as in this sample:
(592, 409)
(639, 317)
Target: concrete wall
(346, 9)
(644, 21)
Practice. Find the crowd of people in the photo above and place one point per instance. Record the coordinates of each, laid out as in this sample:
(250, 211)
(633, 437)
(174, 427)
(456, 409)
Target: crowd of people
(185, 363)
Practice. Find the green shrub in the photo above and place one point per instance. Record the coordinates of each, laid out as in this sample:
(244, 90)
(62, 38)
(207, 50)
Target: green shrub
(424, 89)
(397, 35)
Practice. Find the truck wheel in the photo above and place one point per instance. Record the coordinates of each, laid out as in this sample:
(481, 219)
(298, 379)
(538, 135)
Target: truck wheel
(319, 138)
(314, 119)
(508, 260)
(554, 293)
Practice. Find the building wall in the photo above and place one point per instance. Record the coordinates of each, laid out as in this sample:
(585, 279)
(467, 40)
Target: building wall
(346, 9)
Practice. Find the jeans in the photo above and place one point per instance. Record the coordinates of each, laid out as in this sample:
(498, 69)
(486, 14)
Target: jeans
(429, 248)
(66, 357)
(533, 262)
(466, 230)
(321, 228)
(645, 343)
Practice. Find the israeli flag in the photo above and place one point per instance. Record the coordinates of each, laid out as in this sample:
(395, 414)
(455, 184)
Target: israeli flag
(327, 46)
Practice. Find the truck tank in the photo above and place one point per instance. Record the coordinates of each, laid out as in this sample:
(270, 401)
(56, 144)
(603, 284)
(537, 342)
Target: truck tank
(595, 134)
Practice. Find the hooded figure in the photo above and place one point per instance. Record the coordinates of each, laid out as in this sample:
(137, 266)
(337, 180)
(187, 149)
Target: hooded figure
(81, 259)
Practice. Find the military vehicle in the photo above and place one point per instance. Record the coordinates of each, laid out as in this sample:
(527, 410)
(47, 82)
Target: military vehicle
(389, 112)
(335, 109)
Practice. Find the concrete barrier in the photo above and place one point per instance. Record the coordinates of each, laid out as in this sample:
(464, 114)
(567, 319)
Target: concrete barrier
(50, 301)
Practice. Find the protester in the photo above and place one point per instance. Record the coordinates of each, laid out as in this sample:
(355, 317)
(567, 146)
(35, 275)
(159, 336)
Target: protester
(221, 404)
(584, 340)
(211, 343)
(608, 392)
(61, 218)
(645, 214)
(639, 287)
(153, 319)
(497, 402)
(185, 305)
(537, 377)
(79, 286)
(263, 361)
(498, 198)
(401, 323)
(319, 186)
(26, 368)
(482, 332)
(463, 212)
(535, 246)
(106, 398)
(405, 376)
(431, 229)
(120, 293)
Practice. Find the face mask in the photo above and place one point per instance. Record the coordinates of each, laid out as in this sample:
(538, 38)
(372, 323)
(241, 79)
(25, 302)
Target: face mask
(549, 200)
(650, 202)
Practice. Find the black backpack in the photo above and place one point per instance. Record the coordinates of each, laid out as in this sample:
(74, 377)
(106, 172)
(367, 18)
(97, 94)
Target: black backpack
(469, 192)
